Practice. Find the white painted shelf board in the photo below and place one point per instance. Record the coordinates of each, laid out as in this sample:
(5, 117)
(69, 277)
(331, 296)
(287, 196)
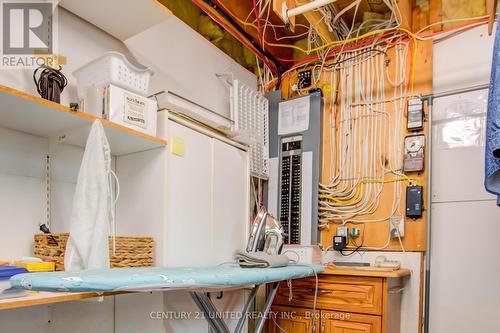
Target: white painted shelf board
(33, 115)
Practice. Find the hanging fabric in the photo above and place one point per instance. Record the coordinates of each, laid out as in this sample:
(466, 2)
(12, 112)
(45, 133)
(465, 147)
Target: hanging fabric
(92, 215)
(492, 161)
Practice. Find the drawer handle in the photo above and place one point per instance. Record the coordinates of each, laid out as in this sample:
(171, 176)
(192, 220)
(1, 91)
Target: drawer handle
(320, 291)
(396, 290)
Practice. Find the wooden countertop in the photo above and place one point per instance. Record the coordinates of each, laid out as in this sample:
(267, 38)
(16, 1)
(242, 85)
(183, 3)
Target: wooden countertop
(44, 297)
(351, 271)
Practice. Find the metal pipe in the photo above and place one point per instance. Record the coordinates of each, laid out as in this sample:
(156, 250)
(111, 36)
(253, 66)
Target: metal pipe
(206, 131)
(308, 7)
(456, 91)
(427, 281)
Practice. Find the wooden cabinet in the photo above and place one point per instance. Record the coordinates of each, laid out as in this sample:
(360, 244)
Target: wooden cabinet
(344, 293)
(334, 322)
(347, 302)
(300, 320)
(291, 319)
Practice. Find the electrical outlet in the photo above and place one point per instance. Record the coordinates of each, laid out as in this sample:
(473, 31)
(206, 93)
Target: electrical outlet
(304, 79)
(342, 231)
(397, 226)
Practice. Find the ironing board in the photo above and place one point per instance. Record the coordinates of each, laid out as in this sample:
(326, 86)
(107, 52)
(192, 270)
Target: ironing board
(196, 280)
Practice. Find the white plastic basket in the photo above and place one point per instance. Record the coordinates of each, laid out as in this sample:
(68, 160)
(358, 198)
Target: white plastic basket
(113, 68)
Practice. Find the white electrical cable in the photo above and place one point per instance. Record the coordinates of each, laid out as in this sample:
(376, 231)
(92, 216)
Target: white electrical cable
(368, 124)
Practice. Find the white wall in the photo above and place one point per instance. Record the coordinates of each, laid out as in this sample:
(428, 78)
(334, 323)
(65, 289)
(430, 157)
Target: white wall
(465, 293)
(80, 42)
(21, 178)
(22, 204)
(186, 63)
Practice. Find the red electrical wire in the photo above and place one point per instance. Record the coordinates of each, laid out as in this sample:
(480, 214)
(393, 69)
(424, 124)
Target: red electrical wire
(370, 40)
(237, 35)
(484, 20)
(348, 47)
(256, 11)
(312, 58)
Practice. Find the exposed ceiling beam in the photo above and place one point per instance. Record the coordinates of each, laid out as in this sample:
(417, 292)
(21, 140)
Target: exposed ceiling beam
(314, 17)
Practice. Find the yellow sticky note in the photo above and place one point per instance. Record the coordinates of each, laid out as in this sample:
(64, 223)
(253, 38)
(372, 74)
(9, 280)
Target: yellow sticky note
(177, 146)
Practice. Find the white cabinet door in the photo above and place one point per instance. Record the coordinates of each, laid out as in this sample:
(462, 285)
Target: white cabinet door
(189, 199)
(207, 209)
(230, 201)
(207, 200)
(230, 216)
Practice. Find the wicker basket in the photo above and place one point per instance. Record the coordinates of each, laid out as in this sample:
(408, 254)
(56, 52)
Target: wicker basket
(129, 251)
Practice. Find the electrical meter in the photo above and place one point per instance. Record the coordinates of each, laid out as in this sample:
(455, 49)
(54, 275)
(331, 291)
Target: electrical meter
(414, 201)
(415, 115)
(414, 153)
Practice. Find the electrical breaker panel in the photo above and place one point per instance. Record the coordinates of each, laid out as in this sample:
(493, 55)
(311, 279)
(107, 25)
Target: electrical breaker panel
(291, 187)
(294, 165)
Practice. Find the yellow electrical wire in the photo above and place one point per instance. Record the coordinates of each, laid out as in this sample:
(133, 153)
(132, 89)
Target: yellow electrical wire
(350, 40)
(365, 181)
(414, 58)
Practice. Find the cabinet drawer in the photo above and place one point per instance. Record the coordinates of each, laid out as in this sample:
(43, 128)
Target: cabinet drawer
(340, 293)
(334, 322)
(292, 320)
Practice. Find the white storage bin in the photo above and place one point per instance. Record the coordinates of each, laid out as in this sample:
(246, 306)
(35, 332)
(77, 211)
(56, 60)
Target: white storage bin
(113, 68)
(121, 106)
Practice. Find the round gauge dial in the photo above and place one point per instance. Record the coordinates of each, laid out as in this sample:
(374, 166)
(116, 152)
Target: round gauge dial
(413, 145)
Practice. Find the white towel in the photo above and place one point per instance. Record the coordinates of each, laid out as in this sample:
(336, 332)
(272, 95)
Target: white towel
(92, 215)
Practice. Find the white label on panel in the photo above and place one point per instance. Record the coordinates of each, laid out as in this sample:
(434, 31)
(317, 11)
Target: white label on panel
(294, 115)
(306, 211)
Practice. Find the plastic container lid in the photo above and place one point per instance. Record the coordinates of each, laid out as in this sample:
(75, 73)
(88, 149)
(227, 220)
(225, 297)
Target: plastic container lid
(36, 266)
(6, 272)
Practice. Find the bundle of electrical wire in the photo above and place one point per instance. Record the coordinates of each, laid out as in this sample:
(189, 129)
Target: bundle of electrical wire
(363, 124)
(50, 82)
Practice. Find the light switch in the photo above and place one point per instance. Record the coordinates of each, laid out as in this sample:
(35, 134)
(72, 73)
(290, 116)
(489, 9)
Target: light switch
(177, 146)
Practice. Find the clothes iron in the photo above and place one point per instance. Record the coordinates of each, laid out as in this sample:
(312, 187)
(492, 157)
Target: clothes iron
(266, 235)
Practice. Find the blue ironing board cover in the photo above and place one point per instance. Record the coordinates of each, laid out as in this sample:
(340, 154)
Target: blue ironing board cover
(158, 278)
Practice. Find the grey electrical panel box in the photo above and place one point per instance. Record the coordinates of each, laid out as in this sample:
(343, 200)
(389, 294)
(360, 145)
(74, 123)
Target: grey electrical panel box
(295, 164)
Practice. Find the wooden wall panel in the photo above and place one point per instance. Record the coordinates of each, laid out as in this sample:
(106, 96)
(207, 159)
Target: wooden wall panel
(376, 234)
